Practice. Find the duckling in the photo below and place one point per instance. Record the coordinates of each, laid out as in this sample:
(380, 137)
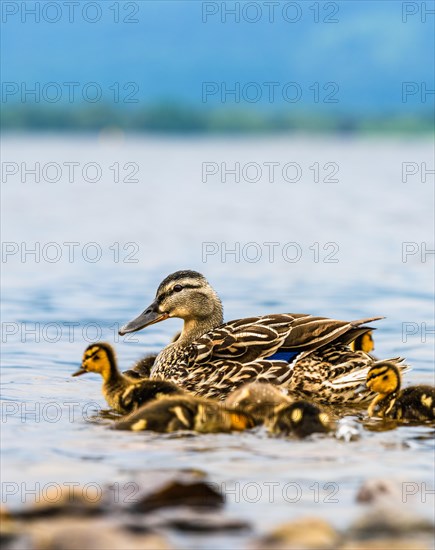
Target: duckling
(412, 403)
(142, 368)
(121, 392)
(173, 413)
(282, 414)
(258, 399)
(364, 342)
(300, 418)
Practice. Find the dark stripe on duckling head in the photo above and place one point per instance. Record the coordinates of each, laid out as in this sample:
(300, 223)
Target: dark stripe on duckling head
(384, 378)
(93, 349)
(376, 372)
(382, 368)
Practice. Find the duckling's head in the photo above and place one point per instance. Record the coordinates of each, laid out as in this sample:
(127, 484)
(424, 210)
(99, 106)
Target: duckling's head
(183, 294)
(364, 342)
(98, 358)
(384, 378)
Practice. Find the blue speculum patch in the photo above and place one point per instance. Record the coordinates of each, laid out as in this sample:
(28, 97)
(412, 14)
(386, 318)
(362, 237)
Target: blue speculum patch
(283, 356)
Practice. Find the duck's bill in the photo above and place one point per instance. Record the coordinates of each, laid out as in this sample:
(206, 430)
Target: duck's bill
(80, 372)
(149, 317)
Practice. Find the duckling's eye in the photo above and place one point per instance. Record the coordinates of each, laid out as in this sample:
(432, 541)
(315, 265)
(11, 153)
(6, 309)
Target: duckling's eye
(177, 288)
(385, 377)
(95, 357)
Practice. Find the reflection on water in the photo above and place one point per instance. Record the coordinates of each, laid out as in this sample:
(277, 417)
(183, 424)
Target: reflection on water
(172, 218)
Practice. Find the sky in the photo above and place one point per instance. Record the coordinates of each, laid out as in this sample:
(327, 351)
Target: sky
(374, 57)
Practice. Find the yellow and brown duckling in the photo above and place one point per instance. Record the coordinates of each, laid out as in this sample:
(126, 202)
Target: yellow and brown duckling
(175, 413)
(364, 342)
(281, 414)
(300, 418)
(258, 399)
(143, 367)
(122, 393)
(412, 403)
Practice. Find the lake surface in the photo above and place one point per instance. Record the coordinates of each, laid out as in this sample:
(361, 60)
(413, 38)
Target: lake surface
(329, 226)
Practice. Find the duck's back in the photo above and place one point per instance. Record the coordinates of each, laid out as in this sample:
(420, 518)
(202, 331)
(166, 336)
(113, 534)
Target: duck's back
(282, 349)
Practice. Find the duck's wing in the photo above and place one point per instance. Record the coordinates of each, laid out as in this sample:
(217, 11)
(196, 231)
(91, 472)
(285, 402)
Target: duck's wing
(228, 375)
(256, 338)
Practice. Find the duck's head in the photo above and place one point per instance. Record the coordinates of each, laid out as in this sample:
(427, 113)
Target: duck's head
(183, 294)
(384, 378)
(99, 358)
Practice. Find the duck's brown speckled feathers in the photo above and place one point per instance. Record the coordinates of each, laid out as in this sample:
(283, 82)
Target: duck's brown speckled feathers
(185, 413)
(235, 353)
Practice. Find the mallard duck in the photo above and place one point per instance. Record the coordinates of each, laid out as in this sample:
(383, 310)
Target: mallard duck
(121, 392)
(307, 354)
(170, 414)
(412, 403)
(300, 418)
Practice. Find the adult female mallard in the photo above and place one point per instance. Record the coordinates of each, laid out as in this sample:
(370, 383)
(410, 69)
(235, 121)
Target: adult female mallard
(309, 355)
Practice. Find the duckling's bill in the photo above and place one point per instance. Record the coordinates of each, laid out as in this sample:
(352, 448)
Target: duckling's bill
(79, 372)
(149, 317)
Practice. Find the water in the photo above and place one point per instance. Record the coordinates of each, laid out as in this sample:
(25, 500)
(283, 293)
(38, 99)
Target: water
(174, 220)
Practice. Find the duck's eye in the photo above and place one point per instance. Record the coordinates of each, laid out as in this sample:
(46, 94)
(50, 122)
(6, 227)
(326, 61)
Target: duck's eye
(177, 288)
(95, 357)
(385, 377)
